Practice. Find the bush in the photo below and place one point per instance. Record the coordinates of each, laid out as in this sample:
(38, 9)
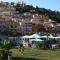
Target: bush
(39, 45)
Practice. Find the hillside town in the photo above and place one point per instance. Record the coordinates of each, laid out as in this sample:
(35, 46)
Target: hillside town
(12, 21)
(30, 28)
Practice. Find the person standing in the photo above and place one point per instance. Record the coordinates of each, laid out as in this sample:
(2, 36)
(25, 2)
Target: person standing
(21, 48)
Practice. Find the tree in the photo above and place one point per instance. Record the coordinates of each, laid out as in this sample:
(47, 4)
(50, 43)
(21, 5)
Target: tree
(12, 3)
(7, 3)
(5, 46)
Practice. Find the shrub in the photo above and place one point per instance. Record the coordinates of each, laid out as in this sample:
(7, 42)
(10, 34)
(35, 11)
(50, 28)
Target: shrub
(39, 45)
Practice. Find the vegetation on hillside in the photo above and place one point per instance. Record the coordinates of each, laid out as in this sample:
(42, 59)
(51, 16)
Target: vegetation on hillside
(54, 15)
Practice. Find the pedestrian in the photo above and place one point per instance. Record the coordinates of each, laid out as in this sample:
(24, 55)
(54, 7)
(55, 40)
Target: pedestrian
(21, 48)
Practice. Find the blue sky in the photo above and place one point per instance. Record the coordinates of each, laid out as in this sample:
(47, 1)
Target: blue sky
(48, 4)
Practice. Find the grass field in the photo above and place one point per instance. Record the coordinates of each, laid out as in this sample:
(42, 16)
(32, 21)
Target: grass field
(36, 54)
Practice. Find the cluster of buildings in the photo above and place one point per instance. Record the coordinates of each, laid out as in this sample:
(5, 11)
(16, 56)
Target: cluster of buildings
(12, 21)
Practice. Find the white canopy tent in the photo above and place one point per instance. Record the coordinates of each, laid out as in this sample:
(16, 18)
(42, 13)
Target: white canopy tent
(26, 36)
(35, 36)
(31, 36)
(51, 36)
(39, 40)
(44, 36)
(58, 37)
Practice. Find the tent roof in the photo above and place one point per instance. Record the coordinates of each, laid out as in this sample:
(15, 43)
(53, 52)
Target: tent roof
(32, 36)
(51, 36)
(26, 36)
(36, 40)
(44, 36)
(57, 37)
(35, 36)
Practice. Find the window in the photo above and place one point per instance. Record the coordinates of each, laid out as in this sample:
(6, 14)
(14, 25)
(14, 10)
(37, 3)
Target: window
(11, 26)
(15, 26)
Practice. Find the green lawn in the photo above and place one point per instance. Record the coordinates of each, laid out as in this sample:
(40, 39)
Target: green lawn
(36, 54)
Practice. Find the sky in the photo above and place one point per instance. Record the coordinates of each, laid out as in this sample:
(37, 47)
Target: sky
(48, 4)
